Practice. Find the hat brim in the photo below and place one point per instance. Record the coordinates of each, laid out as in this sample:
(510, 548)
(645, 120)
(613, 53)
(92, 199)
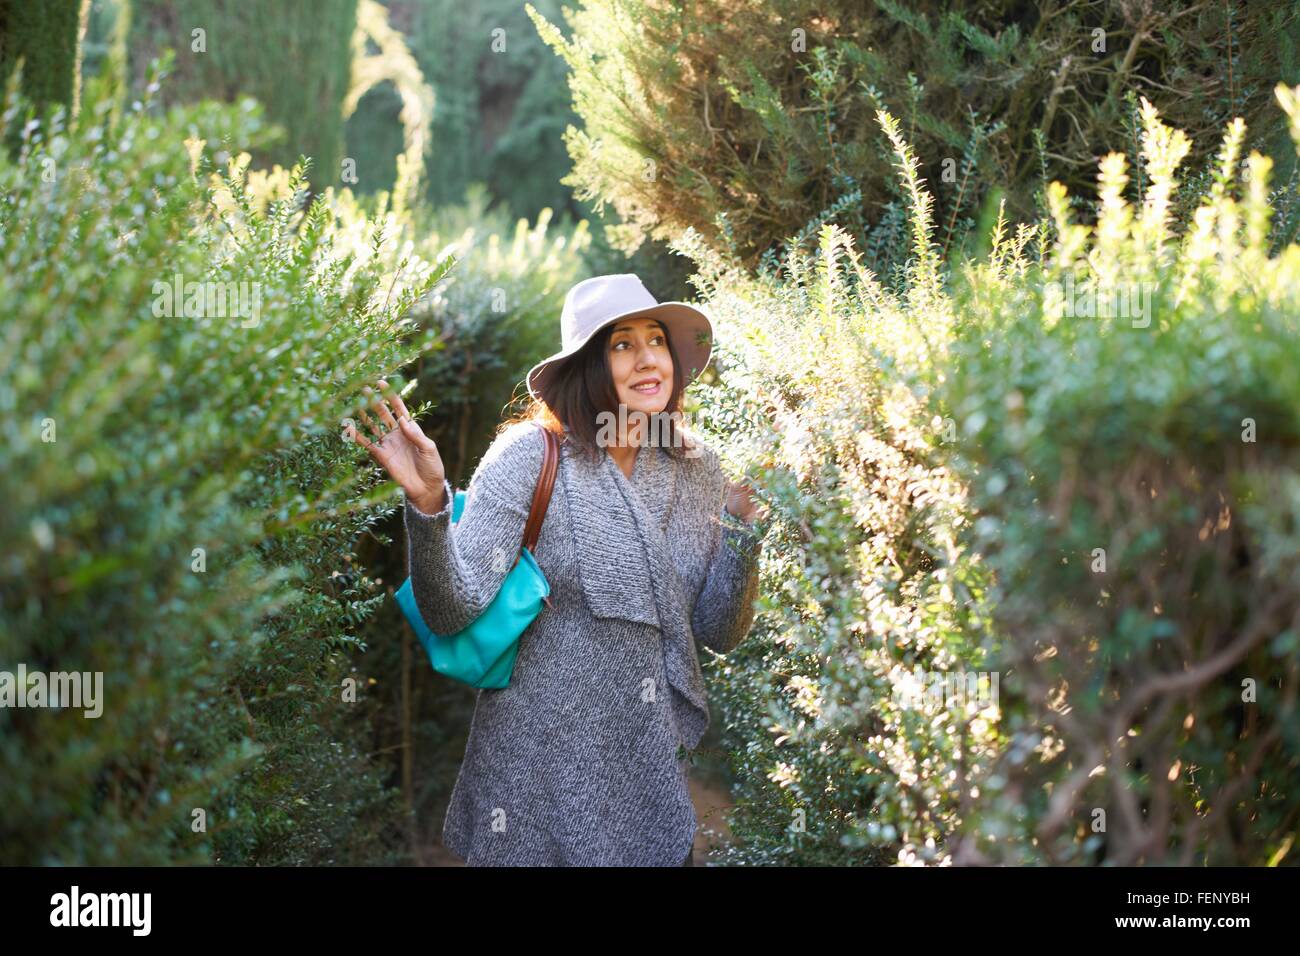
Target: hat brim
(688, 327)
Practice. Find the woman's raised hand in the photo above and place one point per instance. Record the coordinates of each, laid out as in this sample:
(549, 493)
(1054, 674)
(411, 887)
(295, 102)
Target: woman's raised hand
(743, 504)
(403, 450)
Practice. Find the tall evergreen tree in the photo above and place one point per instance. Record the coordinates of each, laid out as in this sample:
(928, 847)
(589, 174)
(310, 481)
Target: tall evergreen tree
(768, 111)
(46, 36)
(293, 56)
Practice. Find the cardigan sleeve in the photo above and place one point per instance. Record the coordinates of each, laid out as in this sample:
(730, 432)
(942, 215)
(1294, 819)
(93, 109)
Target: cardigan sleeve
(724, 612)
(457, 568)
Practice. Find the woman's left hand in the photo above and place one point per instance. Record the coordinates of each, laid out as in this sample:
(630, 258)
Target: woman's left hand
(741, 502)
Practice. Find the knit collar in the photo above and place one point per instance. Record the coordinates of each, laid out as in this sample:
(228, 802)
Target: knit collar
(653, 480)
(625, 562)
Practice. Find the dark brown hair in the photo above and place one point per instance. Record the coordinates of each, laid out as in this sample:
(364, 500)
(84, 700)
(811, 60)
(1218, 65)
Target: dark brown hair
(582, 386)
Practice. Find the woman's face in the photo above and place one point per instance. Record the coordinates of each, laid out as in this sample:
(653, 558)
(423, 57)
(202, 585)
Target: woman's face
(638, 353)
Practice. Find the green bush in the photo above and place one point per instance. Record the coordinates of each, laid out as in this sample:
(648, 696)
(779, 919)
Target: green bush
(766, 111)
(942, 464)
(1127, 418)
(180, 505)
(823, 402)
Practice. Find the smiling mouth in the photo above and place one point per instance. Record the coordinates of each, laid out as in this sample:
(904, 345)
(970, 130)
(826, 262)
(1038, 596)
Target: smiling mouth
(649, 388)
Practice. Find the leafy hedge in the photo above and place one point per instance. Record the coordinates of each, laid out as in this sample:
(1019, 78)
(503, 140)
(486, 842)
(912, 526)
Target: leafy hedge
(1128, 422)
(943, 461)
(180, 505)
(823, 402)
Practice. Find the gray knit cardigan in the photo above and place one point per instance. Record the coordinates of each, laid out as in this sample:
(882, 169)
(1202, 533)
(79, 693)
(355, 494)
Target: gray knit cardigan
(582, 759)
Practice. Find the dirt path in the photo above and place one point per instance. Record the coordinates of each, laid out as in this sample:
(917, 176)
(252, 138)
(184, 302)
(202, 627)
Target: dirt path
(712, 803)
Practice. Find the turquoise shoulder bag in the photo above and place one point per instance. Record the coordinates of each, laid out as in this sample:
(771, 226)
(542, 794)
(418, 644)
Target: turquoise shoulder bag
(483, 653)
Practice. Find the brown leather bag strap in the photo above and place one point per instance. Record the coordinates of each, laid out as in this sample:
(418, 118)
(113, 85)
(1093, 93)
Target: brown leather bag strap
(542, 494)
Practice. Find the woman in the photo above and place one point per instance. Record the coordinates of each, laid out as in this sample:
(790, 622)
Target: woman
(582, 759)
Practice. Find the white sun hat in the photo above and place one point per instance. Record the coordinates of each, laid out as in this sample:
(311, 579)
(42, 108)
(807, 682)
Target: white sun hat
(594, 303)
